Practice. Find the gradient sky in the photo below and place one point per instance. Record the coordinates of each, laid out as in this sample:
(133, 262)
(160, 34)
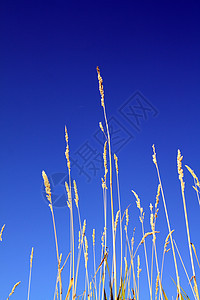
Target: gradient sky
(148, 54)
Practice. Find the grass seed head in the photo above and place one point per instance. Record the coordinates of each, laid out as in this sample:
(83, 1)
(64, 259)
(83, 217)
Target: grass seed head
(31, 258)
(127, 220)
(76, 193)
(193, 175)
(105, 161)
(157, 285)
(167, 241)
(47, 186)
(69, 201)
(180, 170)
(100, 86)
(116, 220)
(13, 289)
(154, 155)
(144, 237)
(86, 251)
(83, 231)
(2, 229)
(116, 163)
(93, 237)
(138, 266)
(67, 149)
(101, 127)
(157, 196)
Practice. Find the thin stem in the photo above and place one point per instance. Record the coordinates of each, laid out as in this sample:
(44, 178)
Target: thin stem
(189, 281)
(110, 169)
(120, 216)
(29, 283)
(180, 172)
(167, 218)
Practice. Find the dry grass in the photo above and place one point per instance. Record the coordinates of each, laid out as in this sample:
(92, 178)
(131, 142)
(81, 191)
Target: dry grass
(120, 279)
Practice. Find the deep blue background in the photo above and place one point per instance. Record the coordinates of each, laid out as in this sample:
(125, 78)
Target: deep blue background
(49, 51)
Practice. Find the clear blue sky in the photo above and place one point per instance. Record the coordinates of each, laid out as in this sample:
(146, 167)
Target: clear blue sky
(148, 53)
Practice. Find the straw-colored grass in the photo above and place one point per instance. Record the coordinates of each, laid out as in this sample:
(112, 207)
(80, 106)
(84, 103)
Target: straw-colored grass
(110, 278)
(13, 289)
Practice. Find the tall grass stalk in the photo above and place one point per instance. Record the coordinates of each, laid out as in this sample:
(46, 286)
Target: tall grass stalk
(167, 218)
(13, 289)
(81, 234)
(165, 250)
(153, 224)
(128, 264)
(180, 172)
(189, 281)
(110, 171)
(141, 218)
(94, 260)
(69, 192)
(48, 194)
(1, 232)
(30, 271)
(120, 214)
(196, 182)
(131, 257)
(158, 271)
(80, 246)
(104, 187)
(138, 273)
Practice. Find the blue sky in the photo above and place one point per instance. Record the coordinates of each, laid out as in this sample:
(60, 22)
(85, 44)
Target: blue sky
(148, 54)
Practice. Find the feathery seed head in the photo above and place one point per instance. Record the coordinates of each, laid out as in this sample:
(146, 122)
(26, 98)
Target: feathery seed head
(180, 170)
(79, 239)
(66, 135)
(76, 193)
(86, 251)
(138, 266)
(154, 155)
(157, 196)
(141, 217)
(101, 127)
(167, 241)
(116, 220)
(144, 237)
(47, 186)
(127, 217)
(69, 201)
(194, 175)
(105, 160)
(116, 163)
(13, 289)
(157, 281)
(83, 231)
(137, 200)
(67, 149)
(31, 258)
(93, 237)
(100, 87)
(2, 229)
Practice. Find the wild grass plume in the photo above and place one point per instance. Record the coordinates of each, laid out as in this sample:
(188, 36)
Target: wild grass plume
(121, 280)
(125, 266)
